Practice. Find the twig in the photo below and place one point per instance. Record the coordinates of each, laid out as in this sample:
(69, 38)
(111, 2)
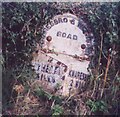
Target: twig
(99, 59)
(95, 84)
(115, 86)
(106, 73)
(101, 48)
(69, 98)
(103, 53)
(18, 96)
(27, 23)
(53, 104)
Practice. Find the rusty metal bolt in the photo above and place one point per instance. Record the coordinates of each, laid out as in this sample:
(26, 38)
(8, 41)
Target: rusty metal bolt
(49, 38)
(83, 46)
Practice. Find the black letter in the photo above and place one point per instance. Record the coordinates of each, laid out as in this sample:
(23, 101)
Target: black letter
(51, 23)
(72, 22)
(74, 37)
(69, 36)
(60, 20)
(59, 34)
(65, 20)
(71, 73)
(64, 35)
(53, 79)
(57, 71)
(55, 21)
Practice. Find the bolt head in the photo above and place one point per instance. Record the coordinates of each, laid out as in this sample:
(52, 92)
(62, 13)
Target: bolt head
(83, 46)
(49, 38)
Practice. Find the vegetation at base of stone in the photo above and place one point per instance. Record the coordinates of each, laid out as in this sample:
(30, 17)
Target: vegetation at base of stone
(57, 110)
(22, 25)
(47, 96)
(97, 105)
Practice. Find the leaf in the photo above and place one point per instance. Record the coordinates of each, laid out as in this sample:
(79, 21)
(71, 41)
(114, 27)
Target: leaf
(57, 109)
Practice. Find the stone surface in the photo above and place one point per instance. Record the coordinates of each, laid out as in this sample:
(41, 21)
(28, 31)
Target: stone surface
(63, 61)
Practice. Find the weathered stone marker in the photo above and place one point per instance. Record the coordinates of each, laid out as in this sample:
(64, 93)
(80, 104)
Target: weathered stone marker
(65, 55)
